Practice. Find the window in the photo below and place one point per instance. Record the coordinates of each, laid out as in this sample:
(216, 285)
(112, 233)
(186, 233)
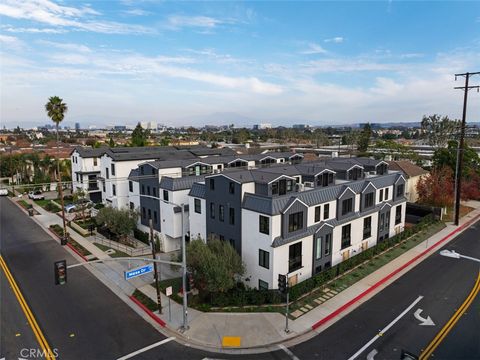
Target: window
(143, 190)
(275, 188)
(317, 213)
(400, 190)
(328, 244)
(221, 213)
(113, 169)
(198, 206)
(221, 237)
(367, 227)
(387, 220)
(232, 242)
(231, 216)
(347, 206)
(381, 195)
(165, 195)
(148, 190)
(130, 186)
(78, 178)
(142, 171)
(143, 212)
(368, 200)
(94, 161)
(107, 174)
(264, 258)
(264, 224)
(318, 247)
(382, 221)
(154, 191)
(132, 206)
(289, 185)
(356, 173)
(295, 221)
(295, 257)
(212, 210)
(386, 194)
(326, 211)
(346, 238)
(231, 187)
(103, 186)
(154, 216)
(398, 215)
(114, 190)
(262, 285)
(149, 214)
(212, 184)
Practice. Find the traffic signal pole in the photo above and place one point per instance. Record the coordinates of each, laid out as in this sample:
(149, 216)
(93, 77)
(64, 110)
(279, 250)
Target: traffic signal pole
(287, 330)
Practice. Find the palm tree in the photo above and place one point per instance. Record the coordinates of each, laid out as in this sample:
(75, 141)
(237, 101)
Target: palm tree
(56, 109)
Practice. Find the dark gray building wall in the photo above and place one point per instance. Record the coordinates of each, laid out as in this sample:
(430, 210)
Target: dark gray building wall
(319, 264)
(262, 189)
(395, 189)
(296, 207)
(149, 202)
(221, 195)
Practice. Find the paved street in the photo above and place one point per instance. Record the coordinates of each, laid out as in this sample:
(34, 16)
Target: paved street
(84, 319)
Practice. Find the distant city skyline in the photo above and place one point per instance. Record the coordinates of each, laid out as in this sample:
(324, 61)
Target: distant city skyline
(196, 63)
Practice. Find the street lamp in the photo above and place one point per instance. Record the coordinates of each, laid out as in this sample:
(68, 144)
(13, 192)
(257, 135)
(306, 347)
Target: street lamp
(454, 255)
(184, 266)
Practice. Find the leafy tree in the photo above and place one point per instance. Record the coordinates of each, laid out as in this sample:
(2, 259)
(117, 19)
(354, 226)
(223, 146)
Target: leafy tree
(448, 157)
(111, 143)
(139, 136)
(215, 265)
(436, 188)
(471, 187)
(120, 222)
(364, 138)
(438, 130)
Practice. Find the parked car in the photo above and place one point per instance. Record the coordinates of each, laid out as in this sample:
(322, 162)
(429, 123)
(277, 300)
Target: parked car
(86, 202)
(3, 192)
(70, 208)
(36, 195)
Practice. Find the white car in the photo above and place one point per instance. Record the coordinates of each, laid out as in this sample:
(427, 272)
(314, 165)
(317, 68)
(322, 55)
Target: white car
(3, 192)
(36, 195)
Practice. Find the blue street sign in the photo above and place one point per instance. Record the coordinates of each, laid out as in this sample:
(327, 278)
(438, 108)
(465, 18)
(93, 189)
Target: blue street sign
(138, 271)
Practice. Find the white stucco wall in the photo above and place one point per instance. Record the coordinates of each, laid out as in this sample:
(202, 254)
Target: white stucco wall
(198, 225)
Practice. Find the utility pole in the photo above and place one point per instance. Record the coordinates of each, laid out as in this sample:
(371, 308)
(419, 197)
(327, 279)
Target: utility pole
(155, 272)
(458, 177)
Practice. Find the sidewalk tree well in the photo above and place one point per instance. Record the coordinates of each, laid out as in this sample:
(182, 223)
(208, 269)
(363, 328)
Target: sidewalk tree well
(215, 265)
(119, 222)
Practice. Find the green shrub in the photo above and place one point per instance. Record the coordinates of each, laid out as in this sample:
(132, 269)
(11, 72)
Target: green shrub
(142, 236)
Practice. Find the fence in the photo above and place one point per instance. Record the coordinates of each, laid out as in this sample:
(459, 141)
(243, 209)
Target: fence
(131, 251)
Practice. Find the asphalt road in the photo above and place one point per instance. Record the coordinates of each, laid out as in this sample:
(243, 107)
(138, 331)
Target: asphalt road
(15, 333)
(85, 320)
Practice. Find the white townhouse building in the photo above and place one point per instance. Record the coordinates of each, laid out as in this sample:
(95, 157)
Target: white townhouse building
(300, 219)
(85, 171)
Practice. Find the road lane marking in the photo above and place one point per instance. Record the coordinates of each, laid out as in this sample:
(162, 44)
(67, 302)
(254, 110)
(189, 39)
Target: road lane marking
(423, 321)
(146, 348)
(451, 323)
(28, 313)
(371, 354)
(288, 352)
(385, 329)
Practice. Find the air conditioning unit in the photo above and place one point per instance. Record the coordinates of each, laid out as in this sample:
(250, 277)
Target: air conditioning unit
(308, 184)
(299, 187)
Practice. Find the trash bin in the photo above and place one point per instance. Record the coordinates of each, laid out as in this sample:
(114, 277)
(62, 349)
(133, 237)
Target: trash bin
(30, 212)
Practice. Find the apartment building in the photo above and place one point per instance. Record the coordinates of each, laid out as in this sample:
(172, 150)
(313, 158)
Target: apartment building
(299, 219)
(85, 171)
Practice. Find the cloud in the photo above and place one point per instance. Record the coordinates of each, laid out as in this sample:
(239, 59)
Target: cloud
(13, 29)
(336, 40)
(137, 12)
(52, 14)
(66, 46)
(11, 42)
(176, 22)
(347, 65)
(314, 48)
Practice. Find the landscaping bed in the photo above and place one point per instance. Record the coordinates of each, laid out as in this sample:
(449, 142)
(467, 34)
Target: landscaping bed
(145, 300)
(58, 230)
(116, 254)
(48, 205)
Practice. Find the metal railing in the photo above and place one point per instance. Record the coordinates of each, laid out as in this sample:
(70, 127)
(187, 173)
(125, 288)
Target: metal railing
(131, 251)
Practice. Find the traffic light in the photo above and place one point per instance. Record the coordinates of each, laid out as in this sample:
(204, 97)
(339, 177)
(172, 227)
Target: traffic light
(282, 283)
(60, 272)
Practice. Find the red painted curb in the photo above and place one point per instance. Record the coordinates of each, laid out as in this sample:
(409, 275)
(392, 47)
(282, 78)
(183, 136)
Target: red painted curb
(77, 252)
(388, 277)
(148, 311)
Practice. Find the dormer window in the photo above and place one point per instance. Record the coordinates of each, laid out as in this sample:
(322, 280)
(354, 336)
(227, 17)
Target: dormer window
(356, 173)
(325, 179)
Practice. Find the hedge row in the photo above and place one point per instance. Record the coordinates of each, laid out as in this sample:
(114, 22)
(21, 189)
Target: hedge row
(142, 236)
(245, 297)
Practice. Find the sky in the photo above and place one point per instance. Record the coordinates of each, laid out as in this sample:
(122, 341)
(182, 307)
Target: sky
(195, 63)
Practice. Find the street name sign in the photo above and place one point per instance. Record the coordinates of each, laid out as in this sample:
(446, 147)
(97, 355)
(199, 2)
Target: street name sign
(138, 271)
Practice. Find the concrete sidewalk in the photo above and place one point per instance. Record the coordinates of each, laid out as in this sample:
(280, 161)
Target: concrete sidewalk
(254, 330)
